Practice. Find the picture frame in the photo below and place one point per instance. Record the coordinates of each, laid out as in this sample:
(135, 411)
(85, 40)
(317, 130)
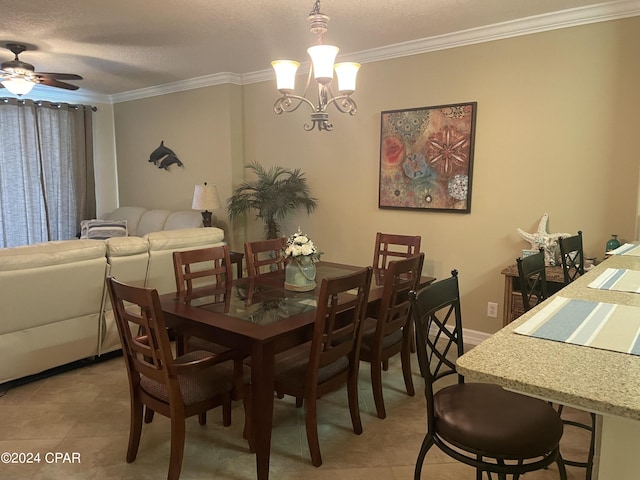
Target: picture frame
(426, 158)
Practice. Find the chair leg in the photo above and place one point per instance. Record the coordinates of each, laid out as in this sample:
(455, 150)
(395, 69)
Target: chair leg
(427, 443)
(177, 448)
(202, 418)
(561, 468)
(226, 412)
(311, 425)
(248, 426)
(238, 379)
(148, 415)
(354, 404)
(299, 402)
(376, 385)
(135, 429)
(405, 358)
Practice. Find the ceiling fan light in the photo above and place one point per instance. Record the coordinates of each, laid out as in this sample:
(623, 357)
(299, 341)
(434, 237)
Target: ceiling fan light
(346, 73)
(18, 85)
(285, 75)
(322, 57)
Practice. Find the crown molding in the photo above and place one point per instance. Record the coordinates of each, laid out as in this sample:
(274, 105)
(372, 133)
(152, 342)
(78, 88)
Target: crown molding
(525, 26)
(190, 84)
(515, 28)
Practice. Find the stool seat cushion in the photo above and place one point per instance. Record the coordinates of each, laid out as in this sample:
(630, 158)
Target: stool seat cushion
(487, 419)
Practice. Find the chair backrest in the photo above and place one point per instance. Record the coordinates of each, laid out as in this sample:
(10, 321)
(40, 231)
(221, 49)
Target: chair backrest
(342, 306)
(148, 353)
(265, 256)
(533, 279)
(394, 246)
(572, 256)
(439, 342)
(202, 267)
(401, 277)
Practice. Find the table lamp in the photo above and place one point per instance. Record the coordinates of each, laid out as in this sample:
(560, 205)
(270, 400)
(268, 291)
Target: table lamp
(205, 197)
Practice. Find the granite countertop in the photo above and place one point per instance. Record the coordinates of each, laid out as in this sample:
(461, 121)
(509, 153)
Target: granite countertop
(591, 379)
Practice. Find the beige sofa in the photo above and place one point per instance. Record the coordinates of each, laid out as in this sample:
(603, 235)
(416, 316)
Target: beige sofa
(55, 308)
(141, 221)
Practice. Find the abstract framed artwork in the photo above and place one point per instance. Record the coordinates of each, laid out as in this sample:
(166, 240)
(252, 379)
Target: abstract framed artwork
(426, 158)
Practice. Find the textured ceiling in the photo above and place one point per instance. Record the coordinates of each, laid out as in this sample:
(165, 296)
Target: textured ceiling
(125, 45)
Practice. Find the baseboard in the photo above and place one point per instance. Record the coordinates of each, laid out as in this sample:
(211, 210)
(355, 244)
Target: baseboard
(474, 337)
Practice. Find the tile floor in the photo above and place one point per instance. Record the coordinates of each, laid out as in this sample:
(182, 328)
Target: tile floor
(86, 412)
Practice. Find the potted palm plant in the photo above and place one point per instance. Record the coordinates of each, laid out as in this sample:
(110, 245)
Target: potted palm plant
(275, 193)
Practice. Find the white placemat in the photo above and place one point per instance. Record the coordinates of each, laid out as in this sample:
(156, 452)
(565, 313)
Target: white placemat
(619, 279)
(632, 249)
(583, 322)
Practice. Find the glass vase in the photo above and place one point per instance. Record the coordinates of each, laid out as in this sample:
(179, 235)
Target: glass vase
(300, 274)
(613, 243)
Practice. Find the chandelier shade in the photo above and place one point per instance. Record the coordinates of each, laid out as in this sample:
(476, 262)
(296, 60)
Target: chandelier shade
(322, 59)
(285, 74)
(321, 72)
(347, 72)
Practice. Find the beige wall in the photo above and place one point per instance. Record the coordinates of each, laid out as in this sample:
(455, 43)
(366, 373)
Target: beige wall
(104, 159)
(557, 116)
(201, 126)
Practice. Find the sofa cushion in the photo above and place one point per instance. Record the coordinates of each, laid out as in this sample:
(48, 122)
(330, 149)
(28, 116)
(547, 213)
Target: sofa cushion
(152, 221)
(103, 229)
(185, 238)
(185, 219)
(126, 246)
(50, 253)
(131, 214)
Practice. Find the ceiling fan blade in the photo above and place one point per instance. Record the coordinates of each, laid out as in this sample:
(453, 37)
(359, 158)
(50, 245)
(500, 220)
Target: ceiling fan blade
(55, 83)
(59, 76)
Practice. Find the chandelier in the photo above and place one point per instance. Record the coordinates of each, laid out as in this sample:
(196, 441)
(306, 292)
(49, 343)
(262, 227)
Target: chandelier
(321, 70)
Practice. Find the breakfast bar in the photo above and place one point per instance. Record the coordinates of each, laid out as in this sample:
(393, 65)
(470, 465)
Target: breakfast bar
(594, 379)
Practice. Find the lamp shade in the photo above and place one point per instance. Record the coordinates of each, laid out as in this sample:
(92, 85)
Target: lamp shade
(285, 74)
(18, 85)
(205, 197)
(347, 72)
(322, 57)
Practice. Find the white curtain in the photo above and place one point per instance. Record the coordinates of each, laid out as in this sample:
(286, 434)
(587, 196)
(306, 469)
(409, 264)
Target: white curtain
(46, 171)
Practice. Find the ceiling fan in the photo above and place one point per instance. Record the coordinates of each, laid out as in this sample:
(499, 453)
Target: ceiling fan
(19, 77)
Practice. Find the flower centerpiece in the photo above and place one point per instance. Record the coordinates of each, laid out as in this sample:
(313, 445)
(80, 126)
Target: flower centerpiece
(301, 270)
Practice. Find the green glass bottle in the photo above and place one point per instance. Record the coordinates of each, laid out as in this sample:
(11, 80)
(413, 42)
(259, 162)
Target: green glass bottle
(613, 243)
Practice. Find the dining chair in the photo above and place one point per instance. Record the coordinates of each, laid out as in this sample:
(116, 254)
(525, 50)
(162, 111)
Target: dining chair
(265, 256)
(176, 387)
(210, 269)
(479, 424)
(392, 246)
(572, 257)
(330, 359)
(389, 332)
(533, 279)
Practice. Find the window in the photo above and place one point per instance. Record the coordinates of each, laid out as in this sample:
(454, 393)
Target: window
(46, 171)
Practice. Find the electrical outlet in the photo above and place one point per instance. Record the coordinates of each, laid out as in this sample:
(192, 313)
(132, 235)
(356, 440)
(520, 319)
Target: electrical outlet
(492, 309)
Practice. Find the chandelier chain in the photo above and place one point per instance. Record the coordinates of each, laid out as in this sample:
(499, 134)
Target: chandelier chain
(316, 8)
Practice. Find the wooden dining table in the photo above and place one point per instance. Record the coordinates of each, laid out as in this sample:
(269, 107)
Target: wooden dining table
(259, 318)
